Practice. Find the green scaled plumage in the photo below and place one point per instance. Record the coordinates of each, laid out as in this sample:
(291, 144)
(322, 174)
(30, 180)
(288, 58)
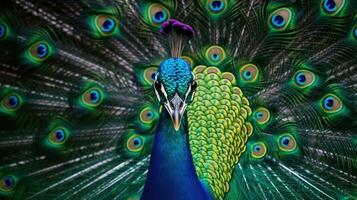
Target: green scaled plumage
(272, 117)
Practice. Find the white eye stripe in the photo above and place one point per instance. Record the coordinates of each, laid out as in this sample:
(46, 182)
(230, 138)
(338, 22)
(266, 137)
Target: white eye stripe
(189, 89)
(156, 92)
(187, 93)
(157, 95)
(156, 75)
(162, 89)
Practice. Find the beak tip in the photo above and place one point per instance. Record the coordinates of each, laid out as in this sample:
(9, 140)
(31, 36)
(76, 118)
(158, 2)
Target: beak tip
(177, 126)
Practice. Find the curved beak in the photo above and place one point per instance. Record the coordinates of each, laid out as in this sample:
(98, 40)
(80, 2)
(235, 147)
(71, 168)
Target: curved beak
(176, 107)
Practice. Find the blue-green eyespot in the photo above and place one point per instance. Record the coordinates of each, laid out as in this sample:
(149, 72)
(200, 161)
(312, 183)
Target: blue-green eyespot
(215, 55)
(332, 7)
(331, 103)
(11, 102)
(280, 19)
(157, 14)
(287, 143)
(135, 143)
(261, 115)
(92, 97)
(7, 183)
(304, 78)
(58, 135)
(216, 6)
(249, 73)
(259, 150)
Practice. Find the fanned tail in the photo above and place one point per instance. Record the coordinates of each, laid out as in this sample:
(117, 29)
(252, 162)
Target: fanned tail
(78, 111)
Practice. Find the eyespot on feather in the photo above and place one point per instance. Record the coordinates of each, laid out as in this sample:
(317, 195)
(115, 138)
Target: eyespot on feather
(58, 136)
(39, 51)
(135, 143)
(216, 6)
(157, 14)
(287, 143)
(332, 7)
(215, 55)
(7, 183)
(147, 115)
(258, 150)
(106, 24)
(280, 19)
(331, 103)
(149, 75)
(261, 115)
(92, 97)
(11, 102)
(249, 73)
(304, 78)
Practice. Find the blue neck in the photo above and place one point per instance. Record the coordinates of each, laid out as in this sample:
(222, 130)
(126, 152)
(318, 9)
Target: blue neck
(171, 172)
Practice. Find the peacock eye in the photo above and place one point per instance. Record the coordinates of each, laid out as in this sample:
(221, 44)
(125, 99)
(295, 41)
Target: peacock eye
(150, 74)
(304, 78)
(249, 72)
(215, 54)
(261, 115)
(215, 57)
(331, 103)
(58, 135)
(287, 143)
(278, 21)
(158, 14)
(2, 31)
(11, 102)
(147, 115)
(332, 6)
(259, 150)
(135, 143)
(280, 18)
(7, 183)
(216, 5)
(92, 97)
(106, 24)
(39, 51)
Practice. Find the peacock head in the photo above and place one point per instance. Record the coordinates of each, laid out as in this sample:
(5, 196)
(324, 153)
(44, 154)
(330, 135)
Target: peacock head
(175, 88)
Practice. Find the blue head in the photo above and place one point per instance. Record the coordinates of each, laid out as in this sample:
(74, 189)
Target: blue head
(175, 87)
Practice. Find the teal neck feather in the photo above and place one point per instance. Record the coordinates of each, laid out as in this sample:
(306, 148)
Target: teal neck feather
(171, 172)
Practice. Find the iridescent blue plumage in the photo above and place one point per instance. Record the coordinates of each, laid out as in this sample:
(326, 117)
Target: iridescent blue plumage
(171, 172)
(175, 74)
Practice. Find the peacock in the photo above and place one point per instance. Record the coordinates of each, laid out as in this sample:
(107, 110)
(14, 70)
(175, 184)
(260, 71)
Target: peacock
(178, 100)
